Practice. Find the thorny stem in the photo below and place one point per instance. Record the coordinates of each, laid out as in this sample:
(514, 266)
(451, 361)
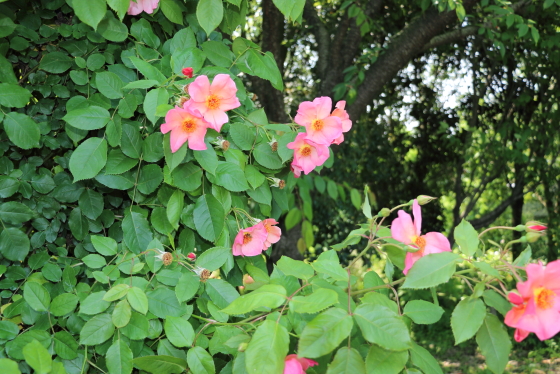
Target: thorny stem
(493, 228)
(290, 298)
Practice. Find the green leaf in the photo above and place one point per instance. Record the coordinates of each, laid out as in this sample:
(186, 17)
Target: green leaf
(314, 303)
(200, 361)
(242, 135)
(213, 258)
(131, 142)
(103, 245)
(37, 357)
(422, 359)
(14, 244)
(12, 95)
(65, 345)
(347, 361)
(494, 343)
(221, 292)
(119, 358)
(155, 98)
(324, 333)
(384, 361)
(496, 301)
(187, 57)
(231, 177)
(8, 330)
(121, 314)
(136, 232)
(88, 159)
(218, 53)
(269, 295)
(97, 330)
(137, 299)
(466, 237)
(90, 12)
(22, 130)
(207, 159)
(332, 269)
(270, 341)
(90, 118)
(208, 217)
(8, 186)
(63, 304)
(187, 287)
(119, 6)
(187, 177)
(467, 318)
(149, 71)
(382, 326)
(94, 304)
(254, 176)
(109, 84)
(9, 366)
(15, 213)
(298, 269)
(172, 11)
(291, 9)
(179, 331)
(6, 70)
(423, 312)
(266, 157)
(160, 364)
(150, 178)
(431, 270)
(292, 218)
(137, 328)
(36, 296)
(91, 203)
(209, 14)
(162, 302)
(94, 261)
(56, 62)
(175, 207)
(117, 292)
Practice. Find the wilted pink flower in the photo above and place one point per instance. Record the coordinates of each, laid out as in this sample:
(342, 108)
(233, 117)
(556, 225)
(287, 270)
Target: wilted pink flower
(321, 126)
(250, 241)
(213, 100)
(537, 308)
(139, 6)
(273, 232)
(187, 72)
(344, 118)
(307, 154)
(407, 231)
(297, 365)
(185, 124)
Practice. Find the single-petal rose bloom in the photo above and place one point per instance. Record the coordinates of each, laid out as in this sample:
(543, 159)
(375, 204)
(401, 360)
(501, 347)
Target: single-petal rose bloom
(187, 72)
(344, 118)
(407, 231)
(537, 308)
(139, 6)
(273, 232)
(307, 154)
(213, 100)
(296, 365)
(185, 124)
(315, 116)
(250, 241)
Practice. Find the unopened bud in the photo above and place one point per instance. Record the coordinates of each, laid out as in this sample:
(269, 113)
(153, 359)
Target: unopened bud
(533, 236)
(167, 258)
(385, 212)
(247, 279)
(242, 347)
(533, 226)
(187, 72)
(424, 199)
(191, 256)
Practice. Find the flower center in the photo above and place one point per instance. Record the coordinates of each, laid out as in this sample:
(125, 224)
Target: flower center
(420, 242)
(247, 238)
(213, 102)
(544, 298)
(189, 125)
(305, 150)
(317, 124)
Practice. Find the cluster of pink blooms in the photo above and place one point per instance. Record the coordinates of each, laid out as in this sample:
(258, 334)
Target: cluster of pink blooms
(297, 365)
(323, 128)
(205, 109)
(537, 305)
(407, 230)
(138, 6)
(253, 240)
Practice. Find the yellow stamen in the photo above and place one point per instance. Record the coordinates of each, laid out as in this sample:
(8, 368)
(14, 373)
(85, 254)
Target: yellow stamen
(213, 102)
(317, 125)
(544, 298)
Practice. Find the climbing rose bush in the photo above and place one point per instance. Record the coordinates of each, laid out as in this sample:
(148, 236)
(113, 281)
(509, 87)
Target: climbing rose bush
(141, 193)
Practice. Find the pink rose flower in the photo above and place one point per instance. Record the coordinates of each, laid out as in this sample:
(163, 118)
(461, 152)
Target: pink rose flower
(537, 307)
(273, 232)
(407, 231)
(213, 100)
(321, 126)
(296, 365)
(250, 241)
(307, 154)
(344, 118)
(185, 124)
(139, 6)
